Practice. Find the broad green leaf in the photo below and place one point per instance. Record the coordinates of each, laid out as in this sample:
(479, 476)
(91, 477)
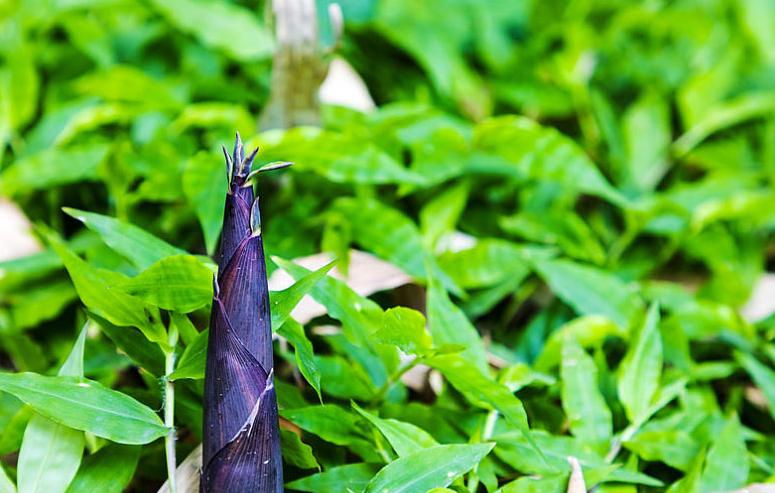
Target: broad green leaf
(340, 157)
(13, 432)
(293, 331)
(589, 331)
(480, 390)
(449, 325)
(86, 406)
(134, 344)
(350, 477)
(763, 376)
(404, 328)
(429, 468)
(181, 283)
(726, 467)
(296, 452)
(204, 184)
(640, 371)
(213, 115)
(192, 362)
(223, 26)
(440, 215)
(49, 457)
(127, 84)
(29, 308)
(648, 134)
(6, 485)
(588, 415)
(555, 483)
(53, 167)
(118, 308)
(534, 152)
(590, 291)
(490, 261)
(138, 246)
(73, 365)
(344, 378)
(330, 422)
(675, 448)
(405, 438)
(107, 471)
(19, 84)
(745, 107)
(283, 302)
(392, 236)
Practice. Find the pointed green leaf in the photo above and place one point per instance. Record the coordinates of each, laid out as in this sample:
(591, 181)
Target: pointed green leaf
(204, 184)
(283, 302)
(49, 456)
(86, 405)
(404, 328)
(449, 325)
(296, 452)
(641, 368)
(118, 308)
(192, 362)
(588, 415)
(429, 468)
(763, 376)
(107, 471)
(293, 331)
(350, 477)
(590, 291)
(181, 283)
(405, 438)
(138, 246)
(726, 467)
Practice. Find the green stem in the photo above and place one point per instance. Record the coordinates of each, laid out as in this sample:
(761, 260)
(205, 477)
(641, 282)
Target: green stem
(392, 379)
(169, 419)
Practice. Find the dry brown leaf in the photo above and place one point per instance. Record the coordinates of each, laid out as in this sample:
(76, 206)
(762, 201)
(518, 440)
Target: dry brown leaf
(16, 233)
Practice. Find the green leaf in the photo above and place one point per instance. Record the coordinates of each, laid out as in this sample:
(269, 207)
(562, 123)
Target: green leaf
(6, 485)
(726, 467)
(107, 471)
(87, 406)
(49, 456)
(440, 215)
(296, 452)
(591, 291)
(763, 376)
(204, 184)
(405, 438)
(127, 84)
(138, 246)
(140, 350)
(73, 365)
(480, 390)
(555, 483)
(330, 422)
(648, 135)
(181, 283)
(641, 368)
(19, 84)
(675, 448)
(449, 325)
(118, 308)
(293, 331)
(192, 362)
(53, 167)
(340, 157)
(588, 415)
(429, 468)
(283, 302)
(350, 477)
(223, 26)
(531, 151)
(404, 328)
(392, 236)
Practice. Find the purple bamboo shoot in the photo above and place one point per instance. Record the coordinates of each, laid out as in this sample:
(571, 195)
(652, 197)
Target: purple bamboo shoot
(241, 445)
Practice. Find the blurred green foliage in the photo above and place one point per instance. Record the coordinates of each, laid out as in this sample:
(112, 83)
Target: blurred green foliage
(584, 187)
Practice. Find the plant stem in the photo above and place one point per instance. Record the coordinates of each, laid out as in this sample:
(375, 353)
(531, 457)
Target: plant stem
(169, 418)
(392, 379)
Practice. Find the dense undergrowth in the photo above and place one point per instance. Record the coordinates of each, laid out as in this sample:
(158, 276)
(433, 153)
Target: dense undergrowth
(581, 190)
